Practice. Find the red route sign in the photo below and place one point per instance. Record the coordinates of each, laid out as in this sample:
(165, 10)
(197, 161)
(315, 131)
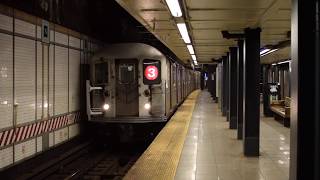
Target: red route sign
(151, 72)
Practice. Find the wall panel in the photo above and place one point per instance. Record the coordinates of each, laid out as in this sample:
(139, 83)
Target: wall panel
(6, 81)
(61, 80)
(25, 79)
(24, 150)
(74, 130)
(6, 157)
(60, 135)
(6, 22)
(74, 80)
(61, 38)
(51, 79)
(39, 104)
(39, 144)
(74, 42)
(26, 28)
(45, 80)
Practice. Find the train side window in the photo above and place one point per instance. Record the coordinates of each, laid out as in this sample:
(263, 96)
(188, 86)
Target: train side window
(101, 73)
(127, 73)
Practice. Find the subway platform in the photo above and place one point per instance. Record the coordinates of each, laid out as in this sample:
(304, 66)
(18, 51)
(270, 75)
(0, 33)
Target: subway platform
(198, 144)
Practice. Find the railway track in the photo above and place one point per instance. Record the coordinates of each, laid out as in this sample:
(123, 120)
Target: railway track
(86, 161)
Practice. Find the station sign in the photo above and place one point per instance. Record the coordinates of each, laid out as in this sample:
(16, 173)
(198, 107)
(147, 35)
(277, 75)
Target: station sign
(151, 72)
(45, 32)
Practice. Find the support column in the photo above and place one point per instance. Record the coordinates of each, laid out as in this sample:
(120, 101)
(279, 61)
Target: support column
(240, 89)
(224, 88)
(251, 103)
(227, 86)
(266, 101)
(233, 88)
(305, 91)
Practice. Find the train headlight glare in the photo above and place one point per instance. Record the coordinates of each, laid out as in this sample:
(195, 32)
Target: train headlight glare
(147, 106)
(106, 106)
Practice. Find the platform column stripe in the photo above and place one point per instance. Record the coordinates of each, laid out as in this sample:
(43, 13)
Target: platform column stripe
(38, 129)
(10, 137)
(29, 131)
(18, 134)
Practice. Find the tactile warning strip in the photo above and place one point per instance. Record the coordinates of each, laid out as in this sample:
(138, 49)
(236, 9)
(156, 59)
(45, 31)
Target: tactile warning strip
(161, 158)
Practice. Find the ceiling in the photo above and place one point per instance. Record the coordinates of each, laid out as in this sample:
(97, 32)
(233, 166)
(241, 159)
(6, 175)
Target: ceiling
(207, 18)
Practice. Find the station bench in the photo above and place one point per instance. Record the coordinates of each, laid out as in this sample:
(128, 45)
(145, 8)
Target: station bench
(281, 111)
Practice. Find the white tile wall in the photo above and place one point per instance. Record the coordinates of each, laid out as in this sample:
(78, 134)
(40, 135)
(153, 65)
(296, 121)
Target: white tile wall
(60, 135)
(61, 38)
(74, 42)
(26, 28)
(25, 79)
(6, 22)
(24, 149)
(6, 157)
(61, 80)
(74, 130)
(51, 140)
(74, 80)
(51, 77)
(6, 80)
(39, 144)
(39, 80)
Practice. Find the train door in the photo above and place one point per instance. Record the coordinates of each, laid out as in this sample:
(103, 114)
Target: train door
(127, 92)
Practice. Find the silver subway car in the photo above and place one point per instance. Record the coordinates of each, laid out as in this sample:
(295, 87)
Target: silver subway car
(136, 83)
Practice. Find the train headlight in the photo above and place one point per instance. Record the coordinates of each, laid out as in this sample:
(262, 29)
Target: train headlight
(106, 106)
(147, 106)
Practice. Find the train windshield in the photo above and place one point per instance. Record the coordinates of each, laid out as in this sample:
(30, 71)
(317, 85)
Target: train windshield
(101, 73)
(127, 73)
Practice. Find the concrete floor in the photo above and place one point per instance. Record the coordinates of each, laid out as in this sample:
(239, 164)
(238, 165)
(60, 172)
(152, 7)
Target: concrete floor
(212, 151)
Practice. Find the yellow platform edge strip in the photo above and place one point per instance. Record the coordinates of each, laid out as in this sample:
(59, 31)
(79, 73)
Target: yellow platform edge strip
(161, 158)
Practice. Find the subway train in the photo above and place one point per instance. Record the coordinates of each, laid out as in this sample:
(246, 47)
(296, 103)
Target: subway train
(134, 83)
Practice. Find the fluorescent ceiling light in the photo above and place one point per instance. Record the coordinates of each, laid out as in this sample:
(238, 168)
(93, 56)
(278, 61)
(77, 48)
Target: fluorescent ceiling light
(190, 48)
(288, 61)
(184, 32)
(271, 51)
(174, 8)
(194, 58)
(264, 51)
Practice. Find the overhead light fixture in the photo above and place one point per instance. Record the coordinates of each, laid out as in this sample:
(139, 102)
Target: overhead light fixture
(184, 32)
(194, 58)
(288, 61)
(271, 51)
(190, 48)
(264, 51)
(174, 8)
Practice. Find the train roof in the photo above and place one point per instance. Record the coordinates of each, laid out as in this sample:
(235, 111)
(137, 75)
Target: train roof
(129, 50)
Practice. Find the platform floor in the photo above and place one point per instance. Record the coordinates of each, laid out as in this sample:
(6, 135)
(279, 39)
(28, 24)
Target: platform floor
(210, 150)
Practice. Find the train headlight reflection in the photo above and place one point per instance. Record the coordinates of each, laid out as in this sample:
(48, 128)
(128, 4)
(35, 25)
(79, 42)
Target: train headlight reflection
(106, 106)
(147, 106)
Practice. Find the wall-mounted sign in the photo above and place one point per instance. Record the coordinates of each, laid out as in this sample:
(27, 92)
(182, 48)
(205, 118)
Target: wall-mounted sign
(151, 71)
(45, 33)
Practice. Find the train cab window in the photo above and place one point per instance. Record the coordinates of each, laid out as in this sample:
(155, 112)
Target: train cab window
(101, 73)
(127, 73)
